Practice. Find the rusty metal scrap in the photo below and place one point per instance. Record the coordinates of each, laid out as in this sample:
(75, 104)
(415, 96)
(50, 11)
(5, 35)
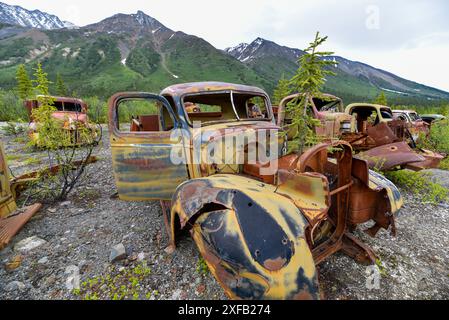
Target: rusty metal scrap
(389, 156)
(11, 225)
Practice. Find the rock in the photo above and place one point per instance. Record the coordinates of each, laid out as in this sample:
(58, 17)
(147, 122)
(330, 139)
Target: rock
(176, 295)
(141, 256)
(169, 250)
(133, 257)
(201, 289)
(14, 286)
(14, 263)
(29, 244)
(43, 260)
(83, 266)
(51, 210)
(117, 253)
(65, 204)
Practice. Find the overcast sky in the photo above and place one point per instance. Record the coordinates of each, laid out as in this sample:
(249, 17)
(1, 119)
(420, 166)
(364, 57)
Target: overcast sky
(407, 37)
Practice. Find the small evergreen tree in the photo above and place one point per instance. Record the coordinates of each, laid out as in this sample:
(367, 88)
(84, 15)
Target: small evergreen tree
(282, 90)
(24, 85)
(308, 81)
(61, 89)
(41, 87)
(65, 142)
(381, 99)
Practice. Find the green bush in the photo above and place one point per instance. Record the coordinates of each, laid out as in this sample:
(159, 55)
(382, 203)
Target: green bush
(420, 184)
(97, 110)
(12, 108)
(14, 129)
(439, 136)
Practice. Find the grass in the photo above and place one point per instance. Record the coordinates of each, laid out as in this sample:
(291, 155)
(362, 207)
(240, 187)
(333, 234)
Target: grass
(118, 284)
(13, 157)
(201, 267)
(420, 185)
(444, 165)
(32, 161)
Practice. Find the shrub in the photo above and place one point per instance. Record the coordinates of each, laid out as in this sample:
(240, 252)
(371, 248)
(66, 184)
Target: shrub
(12, 108)
(420, 184)
(98, 110)
(65, 142)
(14, 129)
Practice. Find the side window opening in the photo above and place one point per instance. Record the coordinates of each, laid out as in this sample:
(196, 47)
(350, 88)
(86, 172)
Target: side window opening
(330, 105)
(143, 115)
(72, 107)
(58, 105)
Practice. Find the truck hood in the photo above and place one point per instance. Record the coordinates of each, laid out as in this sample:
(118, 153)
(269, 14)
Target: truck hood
(66, 115)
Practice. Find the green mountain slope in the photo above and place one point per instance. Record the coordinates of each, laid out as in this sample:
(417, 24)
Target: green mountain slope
(353, 81)
(130, 55)
(137, 52)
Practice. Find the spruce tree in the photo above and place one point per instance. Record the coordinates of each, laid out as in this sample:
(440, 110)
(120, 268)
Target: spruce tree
(41, 87)
(308, 81)
(24, 85)
(282, 90)
(381, 99)
(61, 89)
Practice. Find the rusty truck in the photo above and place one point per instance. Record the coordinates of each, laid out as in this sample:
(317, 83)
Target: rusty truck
(70, 112)
(262, 219)
(371, 129)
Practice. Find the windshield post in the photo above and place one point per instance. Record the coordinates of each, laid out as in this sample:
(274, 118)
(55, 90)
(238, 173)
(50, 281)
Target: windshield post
(233, 105)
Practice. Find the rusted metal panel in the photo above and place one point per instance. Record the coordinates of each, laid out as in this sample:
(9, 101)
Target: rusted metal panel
(390, 156)
(11, 225)
(196, 87)
(142, 163)
(432, 161)
(7, 201)
(11, 219)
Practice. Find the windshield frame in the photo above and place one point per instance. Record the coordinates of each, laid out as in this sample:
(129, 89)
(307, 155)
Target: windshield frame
(231, 92)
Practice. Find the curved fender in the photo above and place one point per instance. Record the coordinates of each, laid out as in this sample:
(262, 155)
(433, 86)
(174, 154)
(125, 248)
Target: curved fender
(251, 238)
(378, 182)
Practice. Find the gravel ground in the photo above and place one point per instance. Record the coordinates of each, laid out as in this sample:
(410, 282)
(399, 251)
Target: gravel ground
(80, 233)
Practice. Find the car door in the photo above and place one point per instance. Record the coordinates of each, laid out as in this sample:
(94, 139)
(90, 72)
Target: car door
(7, 202)
(142, 152)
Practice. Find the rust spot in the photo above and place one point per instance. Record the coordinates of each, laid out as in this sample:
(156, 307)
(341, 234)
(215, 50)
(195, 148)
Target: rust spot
(274, 265)
(303, 295)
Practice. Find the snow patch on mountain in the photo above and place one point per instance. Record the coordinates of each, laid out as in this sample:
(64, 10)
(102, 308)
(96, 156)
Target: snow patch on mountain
(16, 15)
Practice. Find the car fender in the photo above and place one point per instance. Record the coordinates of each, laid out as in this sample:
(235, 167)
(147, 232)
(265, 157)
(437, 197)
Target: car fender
(252, 239)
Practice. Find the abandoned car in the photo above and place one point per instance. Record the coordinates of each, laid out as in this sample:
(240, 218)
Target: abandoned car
(431, 118)
(261, 218)
(71, 112)
(416, 125)
(371, 130)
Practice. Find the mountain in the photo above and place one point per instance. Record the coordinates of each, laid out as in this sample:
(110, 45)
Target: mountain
(122, 52)
(137, 52)
(16, 15)
(271, 61)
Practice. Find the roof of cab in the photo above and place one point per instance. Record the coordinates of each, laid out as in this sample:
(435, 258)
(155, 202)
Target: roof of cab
(367, 105)
(197, 87)
(61, 99)
(404, 111)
